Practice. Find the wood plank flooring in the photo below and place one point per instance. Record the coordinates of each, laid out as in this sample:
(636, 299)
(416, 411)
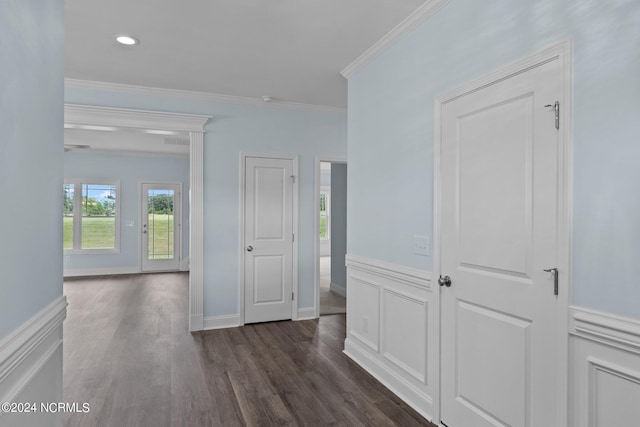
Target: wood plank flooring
(128, 353)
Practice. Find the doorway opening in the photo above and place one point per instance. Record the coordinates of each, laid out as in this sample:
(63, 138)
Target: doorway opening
(331, 236)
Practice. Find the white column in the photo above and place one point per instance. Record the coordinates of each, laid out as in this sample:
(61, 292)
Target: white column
(196, 231)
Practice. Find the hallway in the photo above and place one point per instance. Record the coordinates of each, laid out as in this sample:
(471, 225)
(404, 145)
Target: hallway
(127, 352)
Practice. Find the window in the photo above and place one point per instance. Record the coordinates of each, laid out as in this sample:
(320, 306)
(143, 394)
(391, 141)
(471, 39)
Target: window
(90, 217)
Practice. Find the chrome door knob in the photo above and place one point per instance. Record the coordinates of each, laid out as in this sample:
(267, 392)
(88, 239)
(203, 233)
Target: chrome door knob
(445, 281)
(249, 248)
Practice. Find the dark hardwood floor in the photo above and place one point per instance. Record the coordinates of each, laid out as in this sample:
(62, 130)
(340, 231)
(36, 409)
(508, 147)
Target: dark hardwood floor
(128, 353)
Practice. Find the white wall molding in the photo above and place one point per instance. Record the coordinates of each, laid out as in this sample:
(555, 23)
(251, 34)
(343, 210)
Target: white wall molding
(103, 271)
(612, 330)
(24, 353)
(411, 276)
(418, 16)
(197, 96)
(605, 369)
(415, 397)
(306, 313)
(221, 322)
(390, 327)
(338, 289)
(88, 115)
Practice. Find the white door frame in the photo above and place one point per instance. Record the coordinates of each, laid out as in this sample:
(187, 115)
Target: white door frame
(177, 229)
(187, 124)
(241, 220)
(316, 228)
(560, 51)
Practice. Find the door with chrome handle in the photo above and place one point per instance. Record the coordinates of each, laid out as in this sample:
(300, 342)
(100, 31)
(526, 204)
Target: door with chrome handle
(445, 281)
(555, 279)
(249, 248)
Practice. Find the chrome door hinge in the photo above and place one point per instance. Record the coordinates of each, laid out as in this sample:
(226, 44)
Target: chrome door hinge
(293, 179)
(556, 109)
(293, 237)
(292, 294)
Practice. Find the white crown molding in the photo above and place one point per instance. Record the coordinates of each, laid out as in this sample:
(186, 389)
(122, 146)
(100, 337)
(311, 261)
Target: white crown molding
(616, 331)
(88, 115)
(197, 96)
(412, 21)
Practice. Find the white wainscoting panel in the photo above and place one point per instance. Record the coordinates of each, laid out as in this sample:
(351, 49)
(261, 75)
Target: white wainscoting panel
(389, 323)
(31, 365)
(605, 369)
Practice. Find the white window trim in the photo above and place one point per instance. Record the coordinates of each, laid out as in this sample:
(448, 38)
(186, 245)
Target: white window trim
(77, 216)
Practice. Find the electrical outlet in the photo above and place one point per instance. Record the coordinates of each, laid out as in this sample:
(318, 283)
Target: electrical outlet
(421, 245)
(365, 324)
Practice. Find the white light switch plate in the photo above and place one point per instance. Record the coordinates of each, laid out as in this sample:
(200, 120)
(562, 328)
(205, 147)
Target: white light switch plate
(421, 245)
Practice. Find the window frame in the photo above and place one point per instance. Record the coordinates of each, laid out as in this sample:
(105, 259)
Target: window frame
(77, 216)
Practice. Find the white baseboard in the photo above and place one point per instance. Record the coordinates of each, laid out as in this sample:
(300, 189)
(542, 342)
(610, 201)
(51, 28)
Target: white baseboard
(415, 398)
(306, 313)
(604, 369)
(30, 357)
(221, 322)
(196, 322)
(338, 289)
(107, 271)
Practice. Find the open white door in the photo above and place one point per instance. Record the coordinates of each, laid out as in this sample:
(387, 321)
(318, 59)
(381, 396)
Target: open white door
(499, 217)
(268, 239)
(161, 227)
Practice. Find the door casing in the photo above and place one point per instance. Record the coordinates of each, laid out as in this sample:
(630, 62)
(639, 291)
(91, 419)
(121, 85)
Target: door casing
(241, 221)
(560, 51)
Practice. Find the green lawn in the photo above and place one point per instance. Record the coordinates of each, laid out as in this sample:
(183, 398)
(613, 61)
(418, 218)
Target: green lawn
(323, 227)
(161, 229)
(98, 233)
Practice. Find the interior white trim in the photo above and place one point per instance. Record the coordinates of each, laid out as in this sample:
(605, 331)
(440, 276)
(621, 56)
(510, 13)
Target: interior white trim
(316, 225)
(338, 289)
(241, 217)
(197, 96)
(306, 313)
(397, 350)
(103, 271)
(409, 23)
(221, 322)
(89, 115)
(27, 349)
(612, 330)
(159, 120)
(605, 368)
(408, 275)
(415, 397)
(562, 52)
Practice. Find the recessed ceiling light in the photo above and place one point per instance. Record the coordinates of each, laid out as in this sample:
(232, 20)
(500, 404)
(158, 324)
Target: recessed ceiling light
(126, 40)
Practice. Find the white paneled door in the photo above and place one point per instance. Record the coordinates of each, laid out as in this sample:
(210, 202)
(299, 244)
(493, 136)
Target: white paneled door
(161, 227)
(499, 233)
(268, 239)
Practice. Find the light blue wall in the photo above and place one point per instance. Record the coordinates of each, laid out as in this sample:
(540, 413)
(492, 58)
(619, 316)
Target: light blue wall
(236, 128)
(31, 117)
(338, 224)
(390, 146)
(131, 170)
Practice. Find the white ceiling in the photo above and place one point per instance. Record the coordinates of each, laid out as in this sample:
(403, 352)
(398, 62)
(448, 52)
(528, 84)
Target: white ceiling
(292, 50)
